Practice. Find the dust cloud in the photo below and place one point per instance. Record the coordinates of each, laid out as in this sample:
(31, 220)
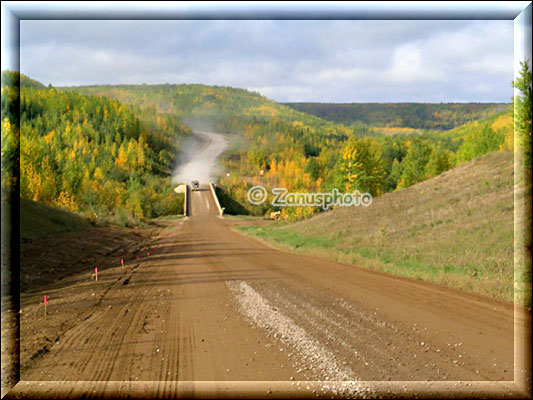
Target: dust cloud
(197, 159)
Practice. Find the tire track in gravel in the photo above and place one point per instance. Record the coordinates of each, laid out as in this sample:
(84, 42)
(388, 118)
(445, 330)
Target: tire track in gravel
(346, 330)
(351, 335)
(68, 291)
(320, 325)
(310, 353)
(125, 329)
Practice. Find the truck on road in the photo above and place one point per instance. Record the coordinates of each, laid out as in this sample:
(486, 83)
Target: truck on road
(195, 185)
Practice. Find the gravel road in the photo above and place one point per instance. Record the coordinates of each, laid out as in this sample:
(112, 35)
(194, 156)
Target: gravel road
(212, 312)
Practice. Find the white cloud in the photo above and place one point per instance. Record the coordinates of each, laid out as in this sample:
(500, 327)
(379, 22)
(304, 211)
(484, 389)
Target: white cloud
(338, 61)
(410, 66)
(493, 64)
(341, 74)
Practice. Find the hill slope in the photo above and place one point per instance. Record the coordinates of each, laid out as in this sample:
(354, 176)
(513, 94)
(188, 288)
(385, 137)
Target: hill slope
(203, 107)
(38, 220)
(93, 155)
(406, 115)
(455, 229)
(13, 78)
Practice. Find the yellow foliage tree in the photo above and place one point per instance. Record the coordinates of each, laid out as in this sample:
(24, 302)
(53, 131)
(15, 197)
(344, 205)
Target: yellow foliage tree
(65, 200)
(122, 160)
(98, 174)
(48, 138)
(34, 181)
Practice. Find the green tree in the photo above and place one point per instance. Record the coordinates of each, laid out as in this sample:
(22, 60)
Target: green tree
(414, 163)
(439, 161)
(10, 151)
(394, 176)
(480, 141)
(313, 168)
(361, 166)
(522, 112)
(256, 158)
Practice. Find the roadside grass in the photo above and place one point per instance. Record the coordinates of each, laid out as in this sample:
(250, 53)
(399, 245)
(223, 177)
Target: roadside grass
(168, 217)
(455, 229)
(38, 220)
(254, 218)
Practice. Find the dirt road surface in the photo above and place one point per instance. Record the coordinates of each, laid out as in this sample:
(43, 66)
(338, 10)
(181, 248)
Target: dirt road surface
(210, 304)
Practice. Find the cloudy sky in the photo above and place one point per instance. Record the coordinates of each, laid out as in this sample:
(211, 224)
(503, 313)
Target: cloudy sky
(327, 61)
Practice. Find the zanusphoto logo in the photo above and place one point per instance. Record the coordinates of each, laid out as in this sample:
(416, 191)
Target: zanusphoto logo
(283, 198)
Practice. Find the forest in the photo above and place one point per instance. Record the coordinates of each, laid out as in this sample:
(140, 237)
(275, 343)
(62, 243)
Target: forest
(304, 160)
(280, 146)
(108, 161)
(219, 108)
(441, 116)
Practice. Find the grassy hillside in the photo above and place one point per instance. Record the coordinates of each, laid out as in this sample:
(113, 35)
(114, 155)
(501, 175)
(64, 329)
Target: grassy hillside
(38, 221)
(401, 115)
(455, 229)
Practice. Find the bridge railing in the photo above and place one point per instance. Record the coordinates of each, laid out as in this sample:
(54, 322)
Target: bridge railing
(186, 202)
(215, 197)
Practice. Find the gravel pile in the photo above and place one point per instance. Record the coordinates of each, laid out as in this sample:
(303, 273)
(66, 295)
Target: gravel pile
(310, 353)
